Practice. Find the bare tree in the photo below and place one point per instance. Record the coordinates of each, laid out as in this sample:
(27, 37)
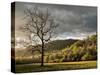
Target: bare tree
(40, 24)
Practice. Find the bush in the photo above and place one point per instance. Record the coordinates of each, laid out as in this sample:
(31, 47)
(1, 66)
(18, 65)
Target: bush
(87, 56)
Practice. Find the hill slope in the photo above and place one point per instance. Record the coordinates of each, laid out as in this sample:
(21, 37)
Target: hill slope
(59, 44)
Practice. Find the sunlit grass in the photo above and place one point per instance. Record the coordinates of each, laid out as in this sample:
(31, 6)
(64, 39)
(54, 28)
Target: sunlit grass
(35, 67)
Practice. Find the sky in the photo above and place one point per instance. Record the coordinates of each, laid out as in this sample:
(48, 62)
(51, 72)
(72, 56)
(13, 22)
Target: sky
(75, 22)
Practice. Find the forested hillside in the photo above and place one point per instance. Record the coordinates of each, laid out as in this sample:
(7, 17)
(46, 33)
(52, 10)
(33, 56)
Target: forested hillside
(61, 51)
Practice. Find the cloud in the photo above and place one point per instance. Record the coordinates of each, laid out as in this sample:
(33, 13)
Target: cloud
(73, 20)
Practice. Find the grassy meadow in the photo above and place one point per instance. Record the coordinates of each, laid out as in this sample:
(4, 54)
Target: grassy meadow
(35, 67)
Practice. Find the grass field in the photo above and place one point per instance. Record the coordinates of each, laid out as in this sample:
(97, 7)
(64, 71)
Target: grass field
(55, 66)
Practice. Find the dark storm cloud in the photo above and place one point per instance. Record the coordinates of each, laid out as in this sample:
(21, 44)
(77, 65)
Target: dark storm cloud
(73, 20)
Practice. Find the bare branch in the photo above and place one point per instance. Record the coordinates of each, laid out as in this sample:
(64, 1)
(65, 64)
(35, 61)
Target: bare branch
(40, 23)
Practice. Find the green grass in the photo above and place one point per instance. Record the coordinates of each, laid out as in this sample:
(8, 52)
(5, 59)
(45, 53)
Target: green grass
(55, 66)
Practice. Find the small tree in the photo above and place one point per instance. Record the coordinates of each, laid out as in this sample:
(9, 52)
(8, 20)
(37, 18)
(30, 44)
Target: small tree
(40, 24)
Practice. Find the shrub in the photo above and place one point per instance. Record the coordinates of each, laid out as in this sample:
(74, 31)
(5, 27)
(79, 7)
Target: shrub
(87, 56)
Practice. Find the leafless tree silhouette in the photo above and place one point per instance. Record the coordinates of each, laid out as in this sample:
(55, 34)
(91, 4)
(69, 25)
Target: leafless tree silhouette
(41, 24)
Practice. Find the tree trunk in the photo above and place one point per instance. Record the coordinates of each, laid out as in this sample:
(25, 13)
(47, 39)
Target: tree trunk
(42, 55)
